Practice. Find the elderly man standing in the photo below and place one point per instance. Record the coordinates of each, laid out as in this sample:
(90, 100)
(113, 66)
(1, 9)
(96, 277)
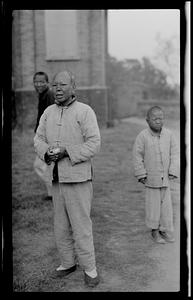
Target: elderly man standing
(66, 139)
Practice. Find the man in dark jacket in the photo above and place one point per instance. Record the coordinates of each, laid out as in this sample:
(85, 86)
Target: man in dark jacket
(45, 95)
(46, 98)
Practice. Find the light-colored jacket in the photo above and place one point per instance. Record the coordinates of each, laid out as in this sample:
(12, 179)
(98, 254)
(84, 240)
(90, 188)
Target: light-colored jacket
(145, 159)
(74, 127)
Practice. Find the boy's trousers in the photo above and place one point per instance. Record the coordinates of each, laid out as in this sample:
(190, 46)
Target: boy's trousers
(73, 225)
(158, 207)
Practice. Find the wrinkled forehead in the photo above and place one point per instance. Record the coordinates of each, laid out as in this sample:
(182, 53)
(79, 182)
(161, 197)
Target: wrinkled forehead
(62, 77)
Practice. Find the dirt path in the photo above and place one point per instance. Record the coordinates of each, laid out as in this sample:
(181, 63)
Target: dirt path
(167, 257)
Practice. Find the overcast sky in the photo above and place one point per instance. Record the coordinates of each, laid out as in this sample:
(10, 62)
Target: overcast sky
(132, 32)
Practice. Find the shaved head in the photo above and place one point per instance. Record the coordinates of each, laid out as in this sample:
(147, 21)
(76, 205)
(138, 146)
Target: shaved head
(152, 110)
(63, 86)
(155, 118)
(66, 75)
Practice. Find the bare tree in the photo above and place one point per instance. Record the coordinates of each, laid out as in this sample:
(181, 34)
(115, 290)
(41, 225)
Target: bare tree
(167, 57)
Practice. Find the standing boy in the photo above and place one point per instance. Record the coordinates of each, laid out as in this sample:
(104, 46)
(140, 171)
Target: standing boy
(156, 157)
(45, 98)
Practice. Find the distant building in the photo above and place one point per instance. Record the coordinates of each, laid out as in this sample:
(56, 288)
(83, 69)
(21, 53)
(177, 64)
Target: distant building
(53, 40)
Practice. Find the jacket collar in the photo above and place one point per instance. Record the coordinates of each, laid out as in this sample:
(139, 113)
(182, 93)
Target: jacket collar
(158, 134)
(68, 103)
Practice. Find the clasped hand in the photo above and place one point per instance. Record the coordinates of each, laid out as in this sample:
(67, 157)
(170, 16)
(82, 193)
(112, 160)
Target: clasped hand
(55, 156)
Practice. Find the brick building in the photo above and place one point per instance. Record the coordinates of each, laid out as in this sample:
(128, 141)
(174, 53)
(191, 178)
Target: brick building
(53, 40)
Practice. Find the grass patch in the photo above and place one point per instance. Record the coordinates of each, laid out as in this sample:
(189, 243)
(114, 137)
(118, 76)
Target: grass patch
(120, 237)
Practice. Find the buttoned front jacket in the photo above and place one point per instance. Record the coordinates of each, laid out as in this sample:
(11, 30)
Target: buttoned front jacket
(74, 127)
(146, 160)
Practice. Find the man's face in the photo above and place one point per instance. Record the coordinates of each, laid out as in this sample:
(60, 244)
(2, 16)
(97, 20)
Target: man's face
(40, 84)
(155, 120)
(62, 87)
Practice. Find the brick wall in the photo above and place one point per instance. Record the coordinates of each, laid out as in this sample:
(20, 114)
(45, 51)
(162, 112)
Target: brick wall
(29, 56)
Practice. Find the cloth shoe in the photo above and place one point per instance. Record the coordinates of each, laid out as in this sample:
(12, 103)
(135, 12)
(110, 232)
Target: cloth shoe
(167, 237)
(156, 237)
(91, 282)
(61, 272)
